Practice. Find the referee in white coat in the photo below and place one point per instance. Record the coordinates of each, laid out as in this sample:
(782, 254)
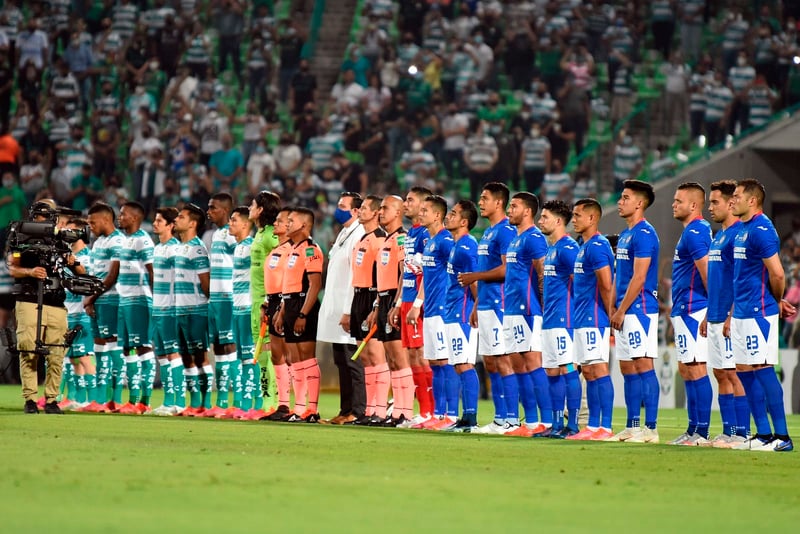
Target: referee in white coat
(335, 312)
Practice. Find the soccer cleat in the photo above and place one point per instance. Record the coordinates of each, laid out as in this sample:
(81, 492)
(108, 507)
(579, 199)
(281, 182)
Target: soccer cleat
(374, 420)
(214, 412)
(162, 411)
(91, 407)
(294, 418)
(724, 441)
(111, 407)
(461, 426)
(239, 414)
(409, 423)
(143, 408)
(52, 408)
(546, 433)
(784, 445)
(433, 421)
(31, 407)
(680, 440)
(696, 440)
(627, 434)
(419, 421)
(443, 423)
(765, 446)
(311, 417)
(280, 413)
(227, 413)
(564, 433)
(255, 415)
(751, 443)
(66, 404)
(645, 435)
(40, 402)
(539, 428)
(128, 409)
(522, 431)
(601, 434)
(493, 428)
(584, 435)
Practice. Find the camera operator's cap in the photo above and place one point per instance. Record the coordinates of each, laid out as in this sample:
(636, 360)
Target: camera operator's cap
(45, 203)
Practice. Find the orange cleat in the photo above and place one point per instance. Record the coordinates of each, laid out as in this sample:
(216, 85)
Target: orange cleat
(92, 407)
(254, 415)
(128, 409)
(227, 413)
(442, 423)
(240, 414)
(601, 435)
(40, 402)
(143, 408)
(584, 435)
(214, 412)
(522, 431)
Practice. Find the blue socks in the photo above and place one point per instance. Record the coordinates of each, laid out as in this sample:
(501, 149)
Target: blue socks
(439, 390)
(558, 394)
(651, 391)
(605, 391)
(774, 394)
(511, 394)
(727, 412)
(704, 395)
(527, 396)
(742, 408)
(452, 386)
(498, 397)
(541, 388)
(574, 391)
(691, 406)
(633, 399)
(756, 401)
(470, 389)
(593, 401)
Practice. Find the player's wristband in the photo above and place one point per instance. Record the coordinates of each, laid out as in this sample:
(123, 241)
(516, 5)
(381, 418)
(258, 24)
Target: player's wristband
(417, 303)
(375, 305)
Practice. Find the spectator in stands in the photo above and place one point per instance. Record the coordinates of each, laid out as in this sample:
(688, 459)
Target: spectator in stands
(33, 46)
(291, 43)
(765, 51)
(760, 99)
(557, 184)
(322, 147)
(303, 88)
(520, 55)
(30, 87)
(12, 201)
(78, 56)
(9, 151)
(719, 100)
(412, 18)
(578, 64)
(105, 142)
(198, 51)
(419, 167)
(154, 176)
(64, 86)
(375, 96)
(690, 13)
(480, 157)
(621, 90)
(662, 166)
(85, 188)
(226, 167)
(699, 80)
(628, 161)
(740, 76)
(374, 43)
(170, 44)
(255, 128)
(347, 90)
(260, 169)
(353, 176)
(230, 25)
(259, 69)
(396, 120)
(360, 65)
(575, 112)
(33, 176)
(213, 127)
(734, 34)
(534, 159)
(137, 60)
(373, 145)
(676, 95)
(662, 23)
(455, 126)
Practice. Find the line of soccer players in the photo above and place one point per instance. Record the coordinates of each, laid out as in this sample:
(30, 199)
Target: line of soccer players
(536, 305)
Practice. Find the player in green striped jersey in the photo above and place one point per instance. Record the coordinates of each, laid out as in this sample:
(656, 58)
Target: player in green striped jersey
(135, 288)
(191, 286)
(244, 371)
(103, 309)
(263, 210)
(163, 326)
(220, 299)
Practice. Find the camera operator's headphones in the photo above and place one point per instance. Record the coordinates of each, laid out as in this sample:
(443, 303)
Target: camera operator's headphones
(44, 208)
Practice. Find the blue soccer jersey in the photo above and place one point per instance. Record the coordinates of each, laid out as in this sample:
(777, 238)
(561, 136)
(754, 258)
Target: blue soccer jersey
(589, 310)
(641, 241)
(756, 241)
(463, 259)
(688, 293)
(522, 283)
(559, 264)
(720, 274)
(434, 273)
(416, 238)
(492, 247)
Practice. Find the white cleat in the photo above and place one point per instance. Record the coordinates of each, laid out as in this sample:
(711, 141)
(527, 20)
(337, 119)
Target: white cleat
(492, 428)
(627, 434)
(415, 422)
(751, 443)
(768, 446)
(727, 442)
(645, 435)
(680, 440)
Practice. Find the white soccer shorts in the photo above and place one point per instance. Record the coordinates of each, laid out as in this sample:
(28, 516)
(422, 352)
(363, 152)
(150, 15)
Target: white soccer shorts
(592, 345)
(463, 343)
(720, 348)
(435, 335)
(638, 337)
(755, 340)
(522, 333)
(491, 340)
(689, 344)
(557, 347)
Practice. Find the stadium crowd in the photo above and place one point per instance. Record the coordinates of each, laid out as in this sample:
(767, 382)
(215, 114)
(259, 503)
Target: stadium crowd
(132, 104)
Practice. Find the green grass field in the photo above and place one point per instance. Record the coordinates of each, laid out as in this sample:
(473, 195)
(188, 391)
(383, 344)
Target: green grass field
(112, 473)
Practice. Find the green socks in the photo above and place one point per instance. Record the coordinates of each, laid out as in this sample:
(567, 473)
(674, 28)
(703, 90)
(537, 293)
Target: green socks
(148, 361)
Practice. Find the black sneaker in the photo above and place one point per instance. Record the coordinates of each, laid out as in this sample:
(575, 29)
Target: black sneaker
(278, 415)
(30, 407)
(463, 425)
(294, 418)
(375, 421)
(312, 418)
(52, 407)
(392, 422)
(364, 420)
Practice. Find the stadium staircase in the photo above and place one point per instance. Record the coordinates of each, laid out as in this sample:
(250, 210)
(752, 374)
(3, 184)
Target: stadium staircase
(335, 21)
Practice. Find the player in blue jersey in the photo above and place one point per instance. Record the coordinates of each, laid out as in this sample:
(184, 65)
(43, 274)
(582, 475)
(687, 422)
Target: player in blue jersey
(220, 299)
(433, 294)
(487, 315)
(689, 306)
(635, 316)
(758, 285)
(558, 354)
(103, 309)
(462, 339)
(522, 317)
(733, 408)
(593, 289)
(411, 335)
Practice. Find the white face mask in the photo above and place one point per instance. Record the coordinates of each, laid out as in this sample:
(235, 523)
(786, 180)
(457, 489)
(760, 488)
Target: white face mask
(8, 182)
(741, 61)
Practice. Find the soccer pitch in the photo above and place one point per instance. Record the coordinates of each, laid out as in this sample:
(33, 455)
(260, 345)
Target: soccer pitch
(113, 473)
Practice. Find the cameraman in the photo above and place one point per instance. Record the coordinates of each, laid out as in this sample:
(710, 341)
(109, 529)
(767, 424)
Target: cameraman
(28, 267)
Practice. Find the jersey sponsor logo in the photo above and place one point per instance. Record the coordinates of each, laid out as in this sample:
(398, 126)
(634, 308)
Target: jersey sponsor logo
(385, 256)
(292, 261)
(310, 252)
(273, 261)
(360, 256)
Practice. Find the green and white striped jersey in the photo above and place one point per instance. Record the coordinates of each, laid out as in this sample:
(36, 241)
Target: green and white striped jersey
(6, 280)
(163, 277)
(133, 282)
(73, 302)
(191, 260)
(107, 249)
(221, 258)
(241, 274)
(124, 19)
